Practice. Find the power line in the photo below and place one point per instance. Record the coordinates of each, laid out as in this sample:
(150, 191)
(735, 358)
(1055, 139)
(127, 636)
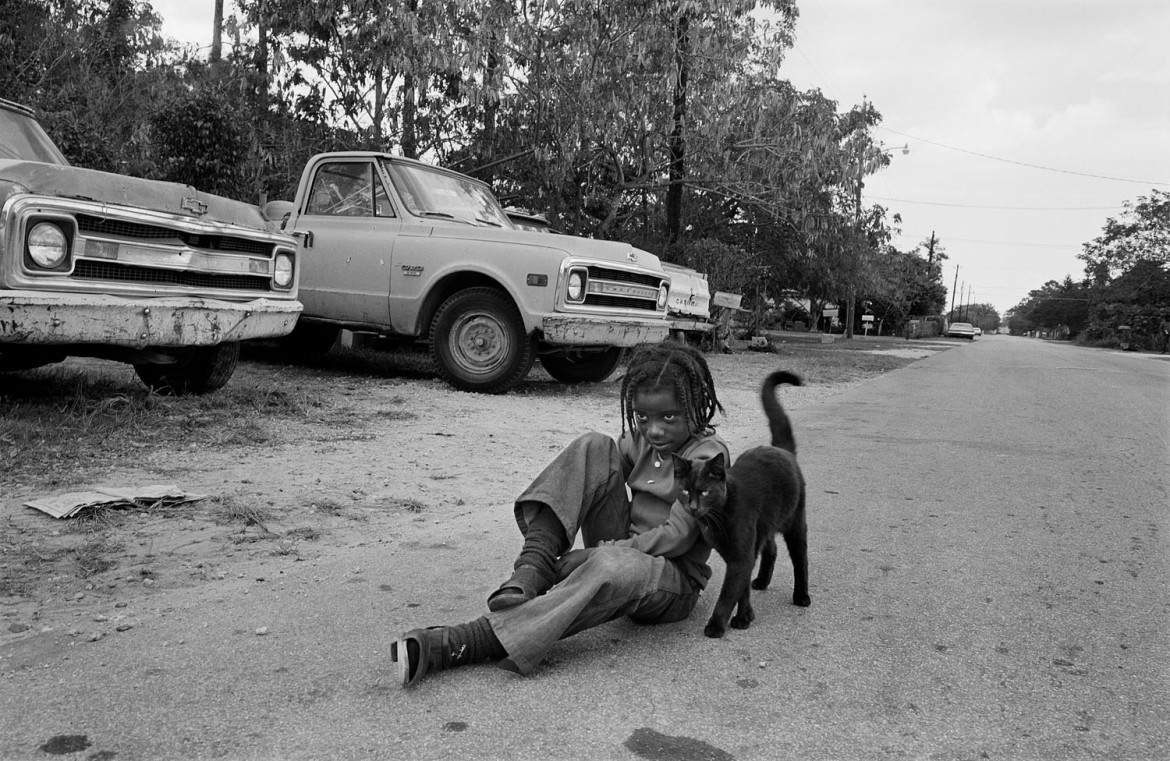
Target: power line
(998, 242)
(1022, 163)
(1002, 208)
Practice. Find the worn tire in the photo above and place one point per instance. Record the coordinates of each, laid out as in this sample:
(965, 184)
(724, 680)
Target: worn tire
(198, 370)
(582, 366)
(478, 342)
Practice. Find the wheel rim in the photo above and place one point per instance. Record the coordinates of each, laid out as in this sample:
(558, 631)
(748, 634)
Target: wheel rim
(479, 343)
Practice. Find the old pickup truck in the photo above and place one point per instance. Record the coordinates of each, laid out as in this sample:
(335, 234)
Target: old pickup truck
(155, 274)
(404, 249)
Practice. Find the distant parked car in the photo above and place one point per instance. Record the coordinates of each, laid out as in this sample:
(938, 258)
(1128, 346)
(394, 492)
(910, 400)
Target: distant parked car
(978, 330)
(961, 330)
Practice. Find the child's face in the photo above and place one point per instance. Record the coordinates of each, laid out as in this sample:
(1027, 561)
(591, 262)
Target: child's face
(660, 418)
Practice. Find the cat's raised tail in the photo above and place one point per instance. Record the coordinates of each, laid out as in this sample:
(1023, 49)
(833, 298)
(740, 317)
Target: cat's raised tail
(777, 418)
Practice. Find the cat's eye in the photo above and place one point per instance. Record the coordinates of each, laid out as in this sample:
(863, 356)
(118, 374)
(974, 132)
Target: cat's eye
(705, 493)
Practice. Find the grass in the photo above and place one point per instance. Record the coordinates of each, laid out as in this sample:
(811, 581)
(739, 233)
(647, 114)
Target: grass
(229, 510)
(59, 426)
(841, 361)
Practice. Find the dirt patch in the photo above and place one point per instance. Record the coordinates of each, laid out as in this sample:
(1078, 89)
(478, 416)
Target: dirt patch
(303, 461)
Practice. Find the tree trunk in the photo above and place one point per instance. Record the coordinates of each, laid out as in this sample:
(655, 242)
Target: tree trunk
(410, 107)
(409, 117)
(677, 141)
(261, 55)
(379, 108)
(491, 110)
(216, 34)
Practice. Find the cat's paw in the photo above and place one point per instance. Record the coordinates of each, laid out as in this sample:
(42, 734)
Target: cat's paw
(741, 622)
(803, 600)
(714, 629)
(760, 583)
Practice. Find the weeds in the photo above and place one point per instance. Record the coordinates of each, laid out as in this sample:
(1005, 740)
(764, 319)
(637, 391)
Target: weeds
(229, 510)
(409, 505)
(57, 424)
(94, 557)
(329, 507)
(91, 557)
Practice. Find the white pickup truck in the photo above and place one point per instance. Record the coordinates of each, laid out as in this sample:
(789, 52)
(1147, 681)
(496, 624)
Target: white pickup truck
(401, 248)
(155, 274)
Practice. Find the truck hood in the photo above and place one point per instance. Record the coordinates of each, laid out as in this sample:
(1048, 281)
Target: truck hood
(120, 190)
(561, 245)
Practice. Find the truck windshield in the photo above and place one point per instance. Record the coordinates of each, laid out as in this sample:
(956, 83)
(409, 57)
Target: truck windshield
(22, 138)
(429, 193)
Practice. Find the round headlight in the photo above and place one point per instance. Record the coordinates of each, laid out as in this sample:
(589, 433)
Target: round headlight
(576, 290)
(663, 293)
(47, 245)
(282, 273)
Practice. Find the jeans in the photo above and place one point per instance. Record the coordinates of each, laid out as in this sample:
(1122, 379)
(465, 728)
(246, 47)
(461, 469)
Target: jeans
(585, 487)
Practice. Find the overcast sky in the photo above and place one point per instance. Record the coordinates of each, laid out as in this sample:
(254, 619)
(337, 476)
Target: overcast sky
(1029, 122)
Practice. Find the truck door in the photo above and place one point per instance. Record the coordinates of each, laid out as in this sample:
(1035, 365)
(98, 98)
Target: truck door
(347, 230)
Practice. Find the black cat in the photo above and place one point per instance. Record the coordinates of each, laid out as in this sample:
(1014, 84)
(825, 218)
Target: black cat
(741, 509)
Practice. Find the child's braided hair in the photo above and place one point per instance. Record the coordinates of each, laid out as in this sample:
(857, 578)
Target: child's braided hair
(673, 365)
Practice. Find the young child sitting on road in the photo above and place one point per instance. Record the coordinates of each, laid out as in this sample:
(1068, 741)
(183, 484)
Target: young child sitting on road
(643, 557)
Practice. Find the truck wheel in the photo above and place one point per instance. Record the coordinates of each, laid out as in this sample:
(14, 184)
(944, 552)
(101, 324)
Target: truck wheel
(583, 366)
(478, 342)
(198, 370)
(309, 339)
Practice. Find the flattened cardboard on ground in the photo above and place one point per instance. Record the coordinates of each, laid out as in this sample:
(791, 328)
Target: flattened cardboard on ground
(154, 495)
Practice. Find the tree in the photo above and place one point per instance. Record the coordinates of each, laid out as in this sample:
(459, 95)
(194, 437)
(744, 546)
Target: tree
(1141, 233)
(200, 140)
(367, 63)
(1057, 307)
(23, 25)
(91, 69)
(984, 316)
(903, 285)
(1126, 269)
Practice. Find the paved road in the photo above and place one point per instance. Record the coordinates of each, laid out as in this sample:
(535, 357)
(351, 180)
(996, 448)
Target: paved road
(990, 570)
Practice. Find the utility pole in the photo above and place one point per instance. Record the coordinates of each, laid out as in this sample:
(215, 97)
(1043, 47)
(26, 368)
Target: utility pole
(955, 286)
(930, 249)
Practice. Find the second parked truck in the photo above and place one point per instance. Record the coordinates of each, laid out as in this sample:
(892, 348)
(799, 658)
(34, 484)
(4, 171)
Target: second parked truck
(400, 248)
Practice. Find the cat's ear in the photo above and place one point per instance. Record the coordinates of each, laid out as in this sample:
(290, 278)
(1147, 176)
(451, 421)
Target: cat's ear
(718, 467)
(681, 464)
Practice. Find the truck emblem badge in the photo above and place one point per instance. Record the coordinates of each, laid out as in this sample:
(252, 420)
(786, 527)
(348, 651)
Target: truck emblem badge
(632, 256)
(194, 205)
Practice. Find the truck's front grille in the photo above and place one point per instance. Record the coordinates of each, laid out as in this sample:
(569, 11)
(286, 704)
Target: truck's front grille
(624, 276)
(91, 270)
(116, 228)
(612, 275)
